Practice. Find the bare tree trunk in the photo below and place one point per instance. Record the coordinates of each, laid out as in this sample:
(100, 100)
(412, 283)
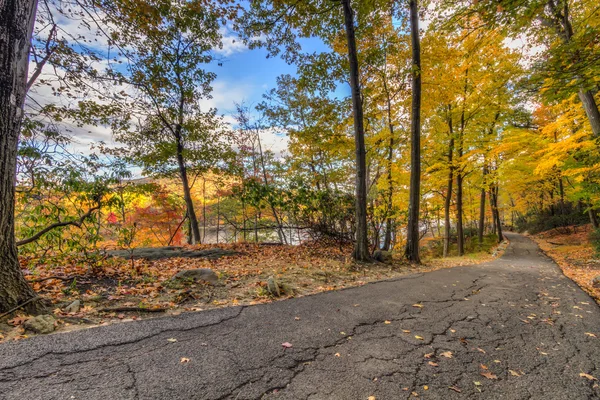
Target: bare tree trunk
(361, 248)
(459, 212)
(591, 110)
(187, 195)
(482, 206)
(495, 212)
(481, 227)
(16, 25)
(448, 200)
(412, 239)
(203, 209)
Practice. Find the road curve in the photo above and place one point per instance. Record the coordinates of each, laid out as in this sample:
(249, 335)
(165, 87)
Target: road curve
(514, 328)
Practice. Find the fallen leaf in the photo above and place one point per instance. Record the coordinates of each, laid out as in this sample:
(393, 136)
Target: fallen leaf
(405, 331)
(297, 318)
(418, 337)
(447, 354)
(425, 387)
(184, 360)
(387, 322)
(172, 340)
(371, 398)
(418, 305)
(481, 350)
(489, 375)
(453, 330)
(514, 373)
(429, 355)
(433, 364)
(588, 376)
(337, 355)
(287, 345)
(590, 334)
(497, 361)
(483, 366)
(457, 390)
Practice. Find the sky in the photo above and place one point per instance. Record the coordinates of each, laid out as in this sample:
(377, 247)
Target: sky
(242, 76)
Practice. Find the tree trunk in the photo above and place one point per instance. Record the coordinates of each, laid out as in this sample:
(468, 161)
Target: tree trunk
(361, 249)
(482, 207)
(459, 214)
(412, 238)
(591, 110)
(16, 25)
(593, 217)
(187, 195)
(495, 212)
(448, 200)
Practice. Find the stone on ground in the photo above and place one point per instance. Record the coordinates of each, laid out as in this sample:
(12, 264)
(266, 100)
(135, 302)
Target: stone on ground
(197, 275)
(40, 324)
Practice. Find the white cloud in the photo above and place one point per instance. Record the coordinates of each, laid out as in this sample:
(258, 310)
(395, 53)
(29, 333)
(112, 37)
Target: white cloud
(231, 43)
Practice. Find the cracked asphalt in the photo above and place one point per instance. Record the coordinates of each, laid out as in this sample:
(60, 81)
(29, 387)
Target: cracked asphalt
(518, 313)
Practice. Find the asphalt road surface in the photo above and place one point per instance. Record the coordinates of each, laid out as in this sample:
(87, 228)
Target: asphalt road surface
(514, 328)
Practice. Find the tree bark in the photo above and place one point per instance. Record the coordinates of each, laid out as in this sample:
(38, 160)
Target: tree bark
(591, 110)
(187, 195)
(482, 204)
(16, 26)
(412, 238)
(361, 247)
(448, 200)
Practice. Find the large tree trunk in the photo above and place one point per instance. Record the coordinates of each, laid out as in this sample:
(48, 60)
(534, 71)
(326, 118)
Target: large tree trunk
(187, 195)
(361, 248)
(16, 25)
(591, 110)
(412, 237)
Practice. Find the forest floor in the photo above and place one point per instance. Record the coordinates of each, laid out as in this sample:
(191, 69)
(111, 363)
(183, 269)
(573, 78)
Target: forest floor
(113, 289)
(570, 247)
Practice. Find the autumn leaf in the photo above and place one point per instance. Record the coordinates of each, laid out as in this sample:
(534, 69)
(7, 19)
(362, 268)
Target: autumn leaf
(419, 337)
(418, 305)
(387, 322)
(433, 364)
(447, 354)
(590, 334)
(429, 355)
(286, 345)
(488, 375)
(172, 340)
(184, 360)
(588, 376)
(481, 350)
(514, 373)
(457, 390)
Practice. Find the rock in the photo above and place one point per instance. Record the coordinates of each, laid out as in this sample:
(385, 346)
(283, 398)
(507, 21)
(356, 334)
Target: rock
(273, 287)
(74, 307)
(277, 288)
(40, 324)
(383, 256)
(596, 282)
(196, 275)
(157, 253)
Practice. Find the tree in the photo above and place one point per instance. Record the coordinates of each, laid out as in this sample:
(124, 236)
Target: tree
(412, 239)
(16, 27)
(569, 63)
(281, 23)
(165, 59)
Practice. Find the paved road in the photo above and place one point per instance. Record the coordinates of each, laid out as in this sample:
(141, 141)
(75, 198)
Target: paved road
(518, 313)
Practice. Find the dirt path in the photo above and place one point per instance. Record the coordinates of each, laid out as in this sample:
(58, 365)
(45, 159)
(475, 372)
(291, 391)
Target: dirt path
(514, 328)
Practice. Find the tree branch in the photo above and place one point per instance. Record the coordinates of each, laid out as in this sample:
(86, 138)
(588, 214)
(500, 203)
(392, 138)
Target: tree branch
(55, 225)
